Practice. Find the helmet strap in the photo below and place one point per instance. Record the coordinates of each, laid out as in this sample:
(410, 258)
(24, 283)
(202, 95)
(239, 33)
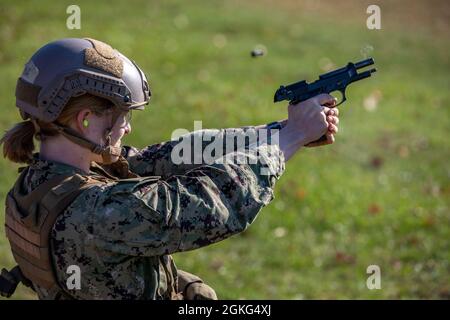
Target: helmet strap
(108, 152)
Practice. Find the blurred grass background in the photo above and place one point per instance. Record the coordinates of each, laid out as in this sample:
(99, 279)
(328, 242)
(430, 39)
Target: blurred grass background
(379, 195)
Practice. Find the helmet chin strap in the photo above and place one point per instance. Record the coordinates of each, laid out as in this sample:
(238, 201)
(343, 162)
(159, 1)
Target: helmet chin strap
(108, 152)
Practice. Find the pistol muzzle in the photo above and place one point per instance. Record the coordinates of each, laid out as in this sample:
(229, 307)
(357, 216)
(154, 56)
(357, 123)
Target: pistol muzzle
(364, 63)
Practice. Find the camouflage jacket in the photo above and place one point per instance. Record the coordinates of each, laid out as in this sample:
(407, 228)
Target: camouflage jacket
(121, 234)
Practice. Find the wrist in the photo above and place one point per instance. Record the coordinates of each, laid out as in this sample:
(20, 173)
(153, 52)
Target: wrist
(276, 125)
(294, 136)
(290, 141)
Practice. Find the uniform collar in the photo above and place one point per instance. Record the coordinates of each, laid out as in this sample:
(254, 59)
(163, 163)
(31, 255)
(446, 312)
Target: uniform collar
(53, 166)
(117, 170)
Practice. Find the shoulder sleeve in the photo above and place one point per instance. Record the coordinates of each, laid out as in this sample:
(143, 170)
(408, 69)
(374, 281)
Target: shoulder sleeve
(205, 205)
(161, 159)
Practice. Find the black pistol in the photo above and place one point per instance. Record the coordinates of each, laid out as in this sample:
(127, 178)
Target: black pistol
(336, 80)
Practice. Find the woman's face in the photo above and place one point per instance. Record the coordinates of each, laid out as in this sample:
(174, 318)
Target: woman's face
(98, 126)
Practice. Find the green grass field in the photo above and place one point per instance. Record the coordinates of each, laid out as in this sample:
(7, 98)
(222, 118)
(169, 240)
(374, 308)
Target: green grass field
(379, 195)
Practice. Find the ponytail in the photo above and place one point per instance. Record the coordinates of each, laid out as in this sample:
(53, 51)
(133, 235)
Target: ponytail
(18, 144)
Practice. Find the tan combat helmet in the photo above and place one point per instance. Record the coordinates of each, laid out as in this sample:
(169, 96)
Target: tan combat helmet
(72, 67)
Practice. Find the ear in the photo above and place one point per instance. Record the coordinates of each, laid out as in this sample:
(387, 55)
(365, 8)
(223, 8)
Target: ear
(81, 116)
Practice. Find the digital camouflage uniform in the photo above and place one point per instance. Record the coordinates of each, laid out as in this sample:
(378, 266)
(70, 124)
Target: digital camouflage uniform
(121, 234)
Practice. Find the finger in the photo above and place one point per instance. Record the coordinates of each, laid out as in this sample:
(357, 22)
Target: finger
(326, 110)
(330, 138)
(334, 112)
(332, 128)
(325, 99)
(333, 120)
(336, 120)
(331, 104)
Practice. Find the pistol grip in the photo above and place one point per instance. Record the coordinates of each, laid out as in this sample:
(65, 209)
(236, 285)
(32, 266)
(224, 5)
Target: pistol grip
(321, 139)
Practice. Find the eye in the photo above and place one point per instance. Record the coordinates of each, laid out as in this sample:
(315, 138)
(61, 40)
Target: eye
(125, 119)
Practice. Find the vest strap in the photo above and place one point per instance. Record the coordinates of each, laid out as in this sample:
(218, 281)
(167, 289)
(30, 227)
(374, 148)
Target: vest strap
(28, 223)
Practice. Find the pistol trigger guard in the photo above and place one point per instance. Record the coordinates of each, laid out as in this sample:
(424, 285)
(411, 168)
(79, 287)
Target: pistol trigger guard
(344, 98)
